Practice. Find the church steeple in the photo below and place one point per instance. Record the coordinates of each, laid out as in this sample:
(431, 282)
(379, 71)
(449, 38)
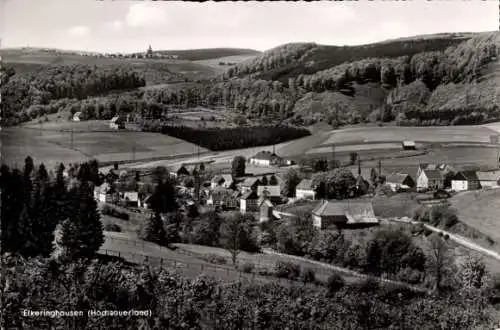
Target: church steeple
(150, 52)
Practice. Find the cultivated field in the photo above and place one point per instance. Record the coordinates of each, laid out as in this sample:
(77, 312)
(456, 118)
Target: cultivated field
(51, 146)
(439, 134)
(32, 59)
(215, 62)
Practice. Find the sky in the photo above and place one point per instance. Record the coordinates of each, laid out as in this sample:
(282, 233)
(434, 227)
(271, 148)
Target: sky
(129, 26)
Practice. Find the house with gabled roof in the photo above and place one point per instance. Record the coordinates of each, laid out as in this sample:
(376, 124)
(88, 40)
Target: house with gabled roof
(179, 170)
(344, 214)
(306, 189)
(221, 180)
(488, 179)
(117, 122)
(399, 181)
(77, 116)
(105, 193)
(249, 184)
(430, 179)
(273, 193)
(249, 202)
(465, 180)
(268, 158)
(222, 197)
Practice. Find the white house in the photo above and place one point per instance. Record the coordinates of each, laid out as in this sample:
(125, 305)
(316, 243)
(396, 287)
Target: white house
(130, 198)
(305, 190)
(104, 193)
(430, 179)
(77, 116)
(488, 179)
(267, 158)
(465, 180)
(117, 122)
(249, 184)
(399, 181)
(409, 145)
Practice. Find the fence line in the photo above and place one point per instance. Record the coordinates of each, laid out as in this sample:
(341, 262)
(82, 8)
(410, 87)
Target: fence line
(218, 270)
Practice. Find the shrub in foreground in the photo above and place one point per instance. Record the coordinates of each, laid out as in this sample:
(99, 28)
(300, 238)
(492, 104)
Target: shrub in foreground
(286, 269)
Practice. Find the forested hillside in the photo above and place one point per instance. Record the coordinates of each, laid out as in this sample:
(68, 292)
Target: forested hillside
(428, 80)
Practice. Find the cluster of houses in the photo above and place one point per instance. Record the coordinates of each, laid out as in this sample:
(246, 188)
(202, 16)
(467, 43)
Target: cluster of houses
(117, 122)
(260, 195)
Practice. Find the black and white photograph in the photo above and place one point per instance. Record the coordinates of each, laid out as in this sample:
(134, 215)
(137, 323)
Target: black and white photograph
(250, 165)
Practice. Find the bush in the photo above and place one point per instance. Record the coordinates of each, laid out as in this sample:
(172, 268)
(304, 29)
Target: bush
(113, 212)
(370, 284)
(308, 275)
(112, 227)
(216, 259)
(409, 275)
(334, 283)
(285, 269)
(247, 267)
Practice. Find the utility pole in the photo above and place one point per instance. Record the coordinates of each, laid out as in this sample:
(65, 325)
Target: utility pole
(133, 151)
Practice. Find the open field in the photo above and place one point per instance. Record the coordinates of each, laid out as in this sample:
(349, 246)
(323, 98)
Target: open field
(480, 210)
(52, 147)
(434, 134)
(29, 60)
(235, 59)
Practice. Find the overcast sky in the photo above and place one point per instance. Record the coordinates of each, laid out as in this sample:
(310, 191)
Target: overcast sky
(126, 26)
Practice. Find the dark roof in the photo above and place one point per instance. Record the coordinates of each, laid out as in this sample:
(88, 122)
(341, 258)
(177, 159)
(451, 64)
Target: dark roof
(434, 174)
(250, 195)
(306, 184)
(216, 179)
(355, 211)
(467, 175)
(266, 155)
(249, 182)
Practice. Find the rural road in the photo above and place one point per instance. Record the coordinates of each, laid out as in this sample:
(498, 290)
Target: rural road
(456, 238)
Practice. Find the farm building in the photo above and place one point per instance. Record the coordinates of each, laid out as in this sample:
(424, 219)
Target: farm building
(221, 180)
(465, 180)
(343, 214)
(105, 193)
(409, 145)
(488, 179)
(249, 202)
(77, 116)
(222, 197)
(249, 184)
(399, 181)
(117, 122)
(130, 198)
(267, 158)
(305, 190)
(273, 193)
(179, 170)
(430, 179)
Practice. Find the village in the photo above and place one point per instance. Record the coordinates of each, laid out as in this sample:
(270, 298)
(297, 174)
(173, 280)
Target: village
(265, 195)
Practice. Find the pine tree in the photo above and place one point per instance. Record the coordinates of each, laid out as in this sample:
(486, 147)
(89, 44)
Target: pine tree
(264, 180)
(273, 181)
(154, 230)
(82, 233)
(13, 194)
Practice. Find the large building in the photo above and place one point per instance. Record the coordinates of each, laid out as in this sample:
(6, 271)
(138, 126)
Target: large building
(335, 214)
(305, 190)
(465, 180)
(268, 158)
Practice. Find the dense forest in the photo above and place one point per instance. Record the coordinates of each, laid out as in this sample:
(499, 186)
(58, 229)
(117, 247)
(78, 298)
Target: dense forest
(217, 139)
(55, 82)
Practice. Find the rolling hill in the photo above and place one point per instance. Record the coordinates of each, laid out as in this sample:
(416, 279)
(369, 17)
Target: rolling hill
(208, 53)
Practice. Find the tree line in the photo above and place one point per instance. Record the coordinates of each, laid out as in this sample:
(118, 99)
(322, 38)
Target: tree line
(231, 138)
